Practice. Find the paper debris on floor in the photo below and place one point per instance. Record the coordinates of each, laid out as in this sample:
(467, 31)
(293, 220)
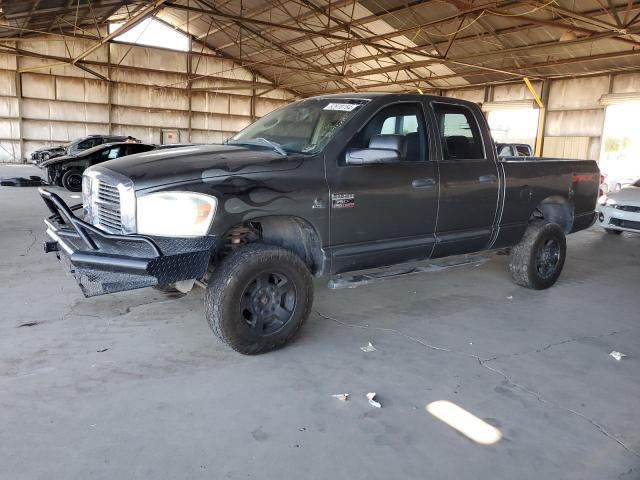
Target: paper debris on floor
(341, 396)
(372, 402)
(368, 348)
(617, 355)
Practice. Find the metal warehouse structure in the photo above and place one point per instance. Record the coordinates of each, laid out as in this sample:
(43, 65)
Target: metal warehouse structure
(64, 73)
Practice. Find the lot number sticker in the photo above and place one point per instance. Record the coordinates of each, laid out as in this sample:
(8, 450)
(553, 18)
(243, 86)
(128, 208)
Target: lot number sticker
(344, 107)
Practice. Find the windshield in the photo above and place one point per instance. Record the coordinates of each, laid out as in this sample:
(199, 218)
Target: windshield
(302, 127)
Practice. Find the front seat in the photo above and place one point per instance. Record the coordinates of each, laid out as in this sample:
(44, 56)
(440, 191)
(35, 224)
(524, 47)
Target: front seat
(413, 146)
(458, 146)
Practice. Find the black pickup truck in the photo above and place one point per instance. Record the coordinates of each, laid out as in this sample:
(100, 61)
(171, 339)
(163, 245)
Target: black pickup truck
(322, 186)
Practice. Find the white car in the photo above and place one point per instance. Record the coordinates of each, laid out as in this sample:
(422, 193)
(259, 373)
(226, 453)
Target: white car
(620, 211)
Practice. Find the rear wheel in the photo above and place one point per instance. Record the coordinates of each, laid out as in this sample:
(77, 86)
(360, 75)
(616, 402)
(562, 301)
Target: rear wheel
(72, 180)
(612, 231)
(258, 298)
(537, 261)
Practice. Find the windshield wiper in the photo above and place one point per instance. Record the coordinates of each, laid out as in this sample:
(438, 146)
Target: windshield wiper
(260, 141)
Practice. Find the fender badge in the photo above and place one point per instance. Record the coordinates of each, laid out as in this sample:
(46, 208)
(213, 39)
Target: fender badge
(318, 203)
(343, 200)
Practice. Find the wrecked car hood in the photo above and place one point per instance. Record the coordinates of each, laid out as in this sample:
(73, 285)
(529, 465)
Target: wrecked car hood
(627, 196)
(55, 160)
(175, 165)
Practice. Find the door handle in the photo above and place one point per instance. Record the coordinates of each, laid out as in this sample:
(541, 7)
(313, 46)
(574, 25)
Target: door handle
(488, 178)
(423, 183)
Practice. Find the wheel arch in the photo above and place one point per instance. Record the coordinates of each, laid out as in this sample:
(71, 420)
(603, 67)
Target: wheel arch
(555, 209)
(287, 231)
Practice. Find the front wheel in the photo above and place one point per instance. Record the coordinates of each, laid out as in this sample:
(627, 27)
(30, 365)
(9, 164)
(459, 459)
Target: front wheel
(72, 180)
(258, 298)
(537, 261)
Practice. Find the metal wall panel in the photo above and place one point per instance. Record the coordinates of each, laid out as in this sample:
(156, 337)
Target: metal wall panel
(7, 62)
(517, 91)
(587, 123)
(577, 93)
(82, 90)
(264, 106)
(470, 94)
(626, 83)
(9, 129)
(8, 107)
(7, 83)
(9, 151)
(38, 86)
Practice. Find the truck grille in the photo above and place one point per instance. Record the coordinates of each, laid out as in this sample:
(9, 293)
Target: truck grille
(108, 207)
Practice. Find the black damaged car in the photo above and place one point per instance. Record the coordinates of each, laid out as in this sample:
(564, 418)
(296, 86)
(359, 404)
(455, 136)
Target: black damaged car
(67, 170)
(320, 187)
(75, 147)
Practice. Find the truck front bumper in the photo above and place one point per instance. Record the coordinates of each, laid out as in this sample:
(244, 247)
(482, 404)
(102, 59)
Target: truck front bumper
(103, 262)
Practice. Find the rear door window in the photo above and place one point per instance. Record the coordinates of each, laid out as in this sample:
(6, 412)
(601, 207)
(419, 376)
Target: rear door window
(459, 132)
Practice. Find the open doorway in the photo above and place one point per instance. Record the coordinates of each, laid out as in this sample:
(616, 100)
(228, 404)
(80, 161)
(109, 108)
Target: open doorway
(620, 150)
(514, 125)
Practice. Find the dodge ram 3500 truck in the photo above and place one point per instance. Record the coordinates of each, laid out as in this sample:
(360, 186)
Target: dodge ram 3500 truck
(322, 186)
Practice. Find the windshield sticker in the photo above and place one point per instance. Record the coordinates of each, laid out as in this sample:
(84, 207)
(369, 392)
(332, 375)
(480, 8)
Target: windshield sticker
(344, 107)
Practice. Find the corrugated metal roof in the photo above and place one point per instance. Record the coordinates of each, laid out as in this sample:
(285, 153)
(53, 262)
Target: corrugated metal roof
(316, 46)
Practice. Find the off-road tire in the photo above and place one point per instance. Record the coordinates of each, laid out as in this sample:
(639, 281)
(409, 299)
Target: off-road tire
(229, 283)
(524, 265)
(69, 180)
(612, 231)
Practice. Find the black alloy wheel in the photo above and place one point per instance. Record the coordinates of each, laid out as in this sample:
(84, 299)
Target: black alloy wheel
(268, 303)
(548, 257)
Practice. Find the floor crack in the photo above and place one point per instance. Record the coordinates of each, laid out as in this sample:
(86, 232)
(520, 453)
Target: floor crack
(35, 239)
(483, 364)
(555, 344)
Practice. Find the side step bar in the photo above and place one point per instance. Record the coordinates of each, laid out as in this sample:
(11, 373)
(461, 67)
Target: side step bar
(365, 278)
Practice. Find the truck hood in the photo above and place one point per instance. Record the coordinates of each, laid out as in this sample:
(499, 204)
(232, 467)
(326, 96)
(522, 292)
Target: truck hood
(627, 196)
(200, 162)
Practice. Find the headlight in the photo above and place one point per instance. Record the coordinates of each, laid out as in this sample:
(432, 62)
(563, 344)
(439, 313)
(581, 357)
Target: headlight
(87, 180)
(604, 200)
(175, 214)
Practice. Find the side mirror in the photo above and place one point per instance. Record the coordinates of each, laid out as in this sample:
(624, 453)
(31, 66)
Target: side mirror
(370, 156)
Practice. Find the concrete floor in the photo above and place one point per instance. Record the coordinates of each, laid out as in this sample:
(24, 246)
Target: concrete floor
(134, 385)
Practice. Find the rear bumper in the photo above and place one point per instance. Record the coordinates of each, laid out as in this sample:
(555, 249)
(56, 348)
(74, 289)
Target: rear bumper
(102, 262)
